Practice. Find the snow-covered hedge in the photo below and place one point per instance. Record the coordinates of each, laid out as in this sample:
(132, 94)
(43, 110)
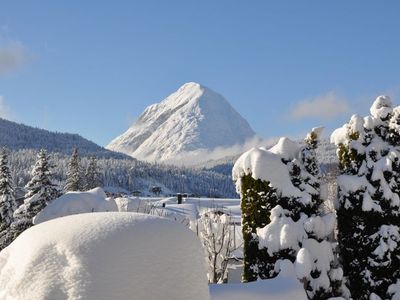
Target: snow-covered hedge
(283, 218)
(369, 207)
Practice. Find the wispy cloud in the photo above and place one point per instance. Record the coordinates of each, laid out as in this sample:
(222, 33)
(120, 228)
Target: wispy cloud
(324, 107)
(5, 111)
(200, 156)
(13, 55)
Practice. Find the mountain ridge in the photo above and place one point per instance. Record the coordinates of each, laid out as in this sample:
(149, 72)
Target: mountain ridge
(17, 136)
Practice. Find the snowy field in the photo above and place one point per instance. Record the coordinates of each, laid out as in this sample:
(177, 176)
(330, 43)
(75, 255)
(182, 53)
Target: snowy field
(96, 201)
(88, 246)
(114, 255)
(284, 287)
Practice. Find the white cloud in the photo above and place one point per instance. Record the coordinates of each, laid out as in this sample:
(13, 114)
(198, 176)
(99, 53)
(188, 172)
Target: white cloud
(5, 112)
(327, 106)
(13, 55)
(200, 156)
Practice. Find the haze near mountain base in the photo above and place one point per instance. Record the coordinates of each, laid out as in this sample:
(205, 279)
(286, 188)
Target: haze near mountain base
(191, 121)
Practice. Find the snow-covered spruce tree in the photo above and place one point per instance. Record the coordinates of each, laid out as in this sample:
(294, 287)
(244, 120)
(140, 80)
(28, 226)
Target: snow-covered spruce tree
(93, 176)
(7, 197)
(282, 187)
(40, 191)
(368, 207)
(74, 180)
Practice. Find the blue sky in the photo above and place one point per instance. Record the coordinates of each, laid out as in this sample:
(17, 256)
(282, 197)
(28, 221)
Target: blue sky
(91, 67)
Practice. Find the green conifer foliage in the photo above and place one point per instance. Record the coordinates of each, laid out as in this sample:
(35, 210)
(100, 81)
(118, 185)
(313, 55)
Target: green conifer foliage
(7, 197)
(40, 192)
(93, 177)
(256, 200)
(74, 180)
(368, 210)
(279, 220)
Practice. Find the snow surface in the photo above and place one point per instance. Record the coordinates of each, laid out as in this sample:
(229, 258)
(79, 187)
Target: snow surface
(132, 204)
(350, 184)
(286, 148)
(389, 237)
(104, 256)
(283, 287)
(192, 118)
(381, 107)
(267, 165)
(76, 203)
(341, 135)
(303, 263)
(282, 232)
(394, 290)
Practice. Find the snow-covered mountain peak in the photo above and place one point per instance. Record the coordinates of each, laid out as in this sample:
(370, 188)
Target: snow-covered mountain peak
(192, 93)
(192, 118)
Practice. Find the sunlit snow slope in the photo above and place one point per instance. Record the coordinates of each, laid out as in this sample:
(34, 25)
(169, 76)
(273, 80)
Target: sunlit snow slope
(191, 119)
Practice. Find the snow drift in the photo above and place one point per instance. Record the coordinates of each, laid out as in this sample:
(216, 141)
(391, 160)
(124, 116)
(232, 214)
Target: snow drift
(73, 203)
(283, 287)
(104, 256)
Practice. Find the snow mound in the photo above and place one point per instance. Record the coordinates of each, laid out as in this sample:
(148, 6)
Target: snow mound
(286, 148)
(381, 107)
(267, 165)
(191, 119)
(104, 256)
(282, 232)
(317, 131)
(283, 287)
(355, 125)
(73, 203)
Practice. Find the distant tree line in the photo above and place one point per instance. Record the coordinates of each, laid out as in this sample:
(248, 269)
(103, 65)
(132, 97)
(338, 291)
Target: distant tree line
(39, 191)
(128, 175)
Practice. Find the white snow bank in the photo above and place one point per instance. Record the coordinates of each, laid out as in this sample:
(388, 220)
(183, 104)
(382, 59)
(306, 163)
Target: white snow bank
(283, 287)
(104, 256)
(73, 203)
